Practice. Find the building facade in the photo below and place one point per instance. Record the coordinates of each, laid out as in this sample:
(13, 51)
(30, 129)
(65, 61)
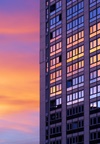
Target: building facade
(69, 71)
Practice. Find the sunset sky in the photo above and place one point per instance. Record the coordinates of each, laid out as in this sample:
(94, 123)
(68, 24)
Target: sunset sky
(19, 71)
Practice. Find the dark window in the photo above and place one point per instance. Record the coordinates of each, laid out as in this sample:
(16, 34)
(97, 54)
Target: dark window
(51, 35)
(60, 58)
(94, 120)
(68, 113)
(98, 119)
(98, 134)
(53, 8)
(52, 117)
(69, 83)
(52, 103)
(81, 138)
(75, 125)
(53, 130)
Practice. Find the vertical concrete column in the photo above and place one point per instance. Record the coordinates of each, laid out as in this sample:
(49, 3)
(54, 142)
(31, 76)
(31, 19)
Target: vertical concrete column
(63, 71)
(42, 72)
(86, 71)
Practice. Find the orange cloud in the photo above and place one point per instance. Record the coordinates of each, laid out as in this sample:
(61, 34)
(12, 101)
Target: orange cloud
(19, 73)
(19, 84)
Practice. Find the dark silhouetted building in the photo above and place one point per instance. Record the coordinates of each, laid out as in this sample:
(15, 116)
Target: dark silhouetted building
(69, 71)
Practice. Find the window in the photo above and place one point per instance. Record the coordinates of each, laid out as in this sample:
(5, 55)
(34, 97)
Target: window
(94, 14)
(74, 68)
(75, 125)
(93, 75)
(75, 139)
(93, 121)
(94, 60)
(93, 105)
(47, 67)
(95, 91)
(55, 34)
(55, 76)
(76, 9)
(94, 2)
(54, 130)
(56, 62)
(58, 73)
(75, 24)
(58, 101)
(55, 116)
(55, 90)
(47, 13)
(75, 96)
(55, 21)
(55, 7)
(75, 110)
(75, 39)
(92, 44)
(81, 94)
(56, 48)
(69, 83)
(92, 135)
(95, 45)
(52, 8)
(75, 53)
(95, 30)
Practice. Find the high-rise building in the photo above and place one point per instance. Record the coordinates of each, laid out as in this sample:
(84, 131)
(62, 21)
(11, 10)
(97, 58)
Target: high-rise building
(69, 71)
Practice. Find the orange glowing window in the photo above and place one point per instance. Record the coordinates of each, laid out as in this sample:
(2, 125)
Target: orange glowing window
(93, 59)
(52, 76)
(74, 67)
(98, 41)
(94, 28)
(58, 73)
(98, 26)
(53, 89)
(98, 57)
(52, 48)
(56, 48)
(81, 64)
(77, 38)
(70, 39)
(55, 76)
(74, 39)
(90, 30)
(69, 69)
(81, 49)
(92, 44)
